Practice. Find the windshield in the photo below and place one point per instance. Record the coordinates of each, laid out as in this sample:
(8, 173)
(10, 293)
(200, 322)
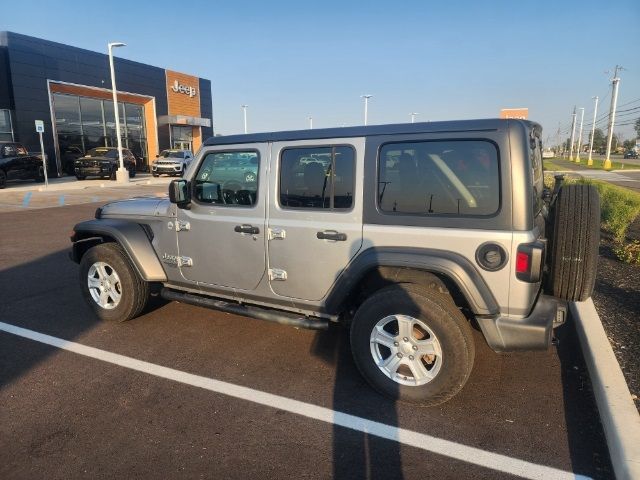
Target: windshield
(170, 154)
(103, 152)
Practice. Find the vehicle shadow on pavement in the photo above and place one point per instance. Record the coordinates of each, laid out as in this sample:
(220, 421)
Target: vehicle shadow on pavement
(583, 432)
(357, 454)
(51, 280)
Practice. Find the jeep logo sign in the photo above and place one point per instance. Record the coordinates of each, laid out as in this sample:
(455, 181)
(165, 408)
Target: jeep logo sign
(187, 90)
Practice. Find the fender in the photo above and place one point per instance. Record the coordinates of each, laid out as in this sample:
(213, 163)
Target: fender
(452, 265)
(130, 236)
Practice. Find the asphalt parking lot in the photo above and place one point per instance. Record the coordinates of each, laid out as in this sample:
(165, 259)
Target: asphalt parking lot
(169, 406)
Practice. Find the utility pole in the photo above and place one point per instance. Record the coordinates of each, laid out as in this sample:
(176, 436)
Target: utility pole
(573, 133)
(612, 116)
(593, 131)
(580, 136)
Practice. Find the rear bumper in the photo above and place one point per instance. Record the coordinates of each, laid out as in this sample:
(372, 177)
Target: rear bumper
(533, 332)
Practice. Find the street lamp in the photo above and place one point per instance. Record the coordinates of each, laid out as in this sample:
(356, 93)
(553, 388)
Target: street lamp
(122, 174)
(366, 106)
(244, 114)
(413, 116)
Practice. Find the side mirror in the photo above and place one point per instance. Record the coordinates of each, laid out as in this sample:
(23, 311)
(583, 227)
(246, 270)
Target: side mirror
(180, 193)
(158, 155)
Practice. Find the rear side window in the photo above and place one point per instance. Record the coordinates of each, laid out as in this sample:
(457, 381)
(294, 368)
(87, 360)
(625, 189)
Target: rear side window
(448, 177)
(228, 178)
(317, 177)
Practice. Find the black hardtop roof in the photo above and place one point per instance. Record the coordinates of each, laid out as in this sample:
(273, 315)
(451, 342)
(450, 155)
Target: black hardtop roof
(364, 131)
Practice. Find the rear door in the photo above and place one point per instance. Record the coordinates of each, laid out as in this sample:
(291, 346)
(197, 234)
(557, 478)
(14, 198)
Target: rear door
(221, 236)
(315, 214)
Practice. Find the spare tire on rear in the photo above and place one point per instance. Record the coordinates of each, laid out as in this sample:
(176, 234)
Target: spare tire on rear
(575, 216)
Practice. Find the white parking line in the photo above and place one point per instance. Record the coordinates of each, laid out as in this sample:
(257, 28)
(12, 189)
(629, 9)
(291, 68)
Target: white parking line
(422, 441)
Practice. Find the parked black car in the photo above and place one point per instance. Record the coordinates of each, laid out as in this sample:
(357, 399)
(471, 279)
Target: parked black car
(631, 154)
(17, 164)
(103, 162)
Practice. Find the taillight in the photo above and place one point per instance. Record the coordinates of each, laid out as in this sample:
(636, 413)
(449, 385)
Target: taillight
(529, 260)
(523, 260)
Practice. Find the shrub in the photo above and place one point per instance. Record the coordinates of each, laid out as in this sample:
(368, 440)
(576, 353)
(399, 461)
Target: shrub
(620, 207)
(628, 252)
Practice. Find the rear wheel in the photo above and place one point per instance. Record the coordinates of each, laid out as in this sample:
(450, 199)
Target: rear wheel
(574, 242)
(110, 284)
(412, 344)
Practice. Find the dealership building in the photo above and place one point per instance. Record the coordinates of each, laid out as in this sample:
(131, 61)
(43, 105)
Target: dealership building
(69, 89)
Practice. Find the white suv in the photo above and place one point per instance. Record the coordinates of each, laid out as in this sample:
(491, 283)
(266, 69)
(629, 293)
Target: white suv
(171, 162)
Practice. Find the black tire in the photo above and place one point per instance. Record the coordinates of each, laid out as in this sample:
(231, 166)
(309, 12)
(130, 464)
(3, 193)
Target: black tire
(574, 243)
(3, 179)
(440, 314)
(112, 176)
(132, 173)
(134, 291)
(81, 177)
(155, 174)
(39, 177)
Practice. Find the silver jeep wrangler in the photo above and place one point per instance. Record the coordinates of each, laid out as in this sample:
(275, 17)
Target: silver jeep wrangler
(410, 234)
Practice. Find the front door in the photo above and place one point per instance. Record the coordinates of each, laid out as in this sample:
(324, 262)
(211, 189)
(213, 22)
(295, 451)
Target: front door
(315, 214)
(221, 237)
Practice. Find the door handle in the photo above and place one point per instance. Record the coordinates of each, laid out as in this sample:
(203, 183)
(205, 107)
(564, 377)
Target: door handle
(247, 229)
(331, 235)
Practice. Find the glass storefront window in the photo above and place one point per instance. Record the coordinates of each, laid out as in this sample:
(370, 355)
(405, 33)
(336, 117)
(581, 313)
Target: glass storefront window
(83, 123)
(6, 132)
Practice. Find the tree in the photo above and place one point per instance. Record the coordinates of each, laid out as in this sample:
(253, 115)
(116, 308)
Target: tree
(599, 140)
(628, 144)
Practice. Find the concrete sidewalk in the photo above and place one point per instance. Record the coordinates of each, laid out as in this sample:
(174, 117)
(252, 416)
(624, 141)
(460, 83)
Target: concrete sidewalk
(71, 183)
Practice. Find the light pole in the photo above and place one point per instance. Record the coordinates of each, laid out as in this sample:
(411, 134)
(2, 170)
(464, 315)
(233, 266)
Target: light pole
(122, 174)
(593, 131)
(413, 116)
(366, 106)
(244, 114)
(612, 117)
(580, 135)
(310, 122)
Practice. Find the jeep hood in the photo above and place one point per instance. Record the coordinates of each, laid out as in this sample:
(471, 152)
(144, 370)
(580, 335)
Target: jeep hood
(137, 207)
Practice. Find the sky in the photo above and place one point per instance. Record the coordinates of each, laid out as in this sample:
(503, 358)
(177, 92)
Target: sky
(288, 60)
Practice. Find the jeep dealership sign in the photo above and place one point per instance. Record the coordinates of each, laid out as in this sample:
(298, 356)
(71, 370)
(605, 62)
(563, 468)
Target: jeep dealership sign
(519, 113)
(186, 89)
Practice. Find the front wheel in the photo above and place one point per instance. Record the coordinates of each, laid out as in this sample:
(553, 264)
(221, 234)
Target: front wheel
(110, 284)
(412, 344)
(39, 176)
